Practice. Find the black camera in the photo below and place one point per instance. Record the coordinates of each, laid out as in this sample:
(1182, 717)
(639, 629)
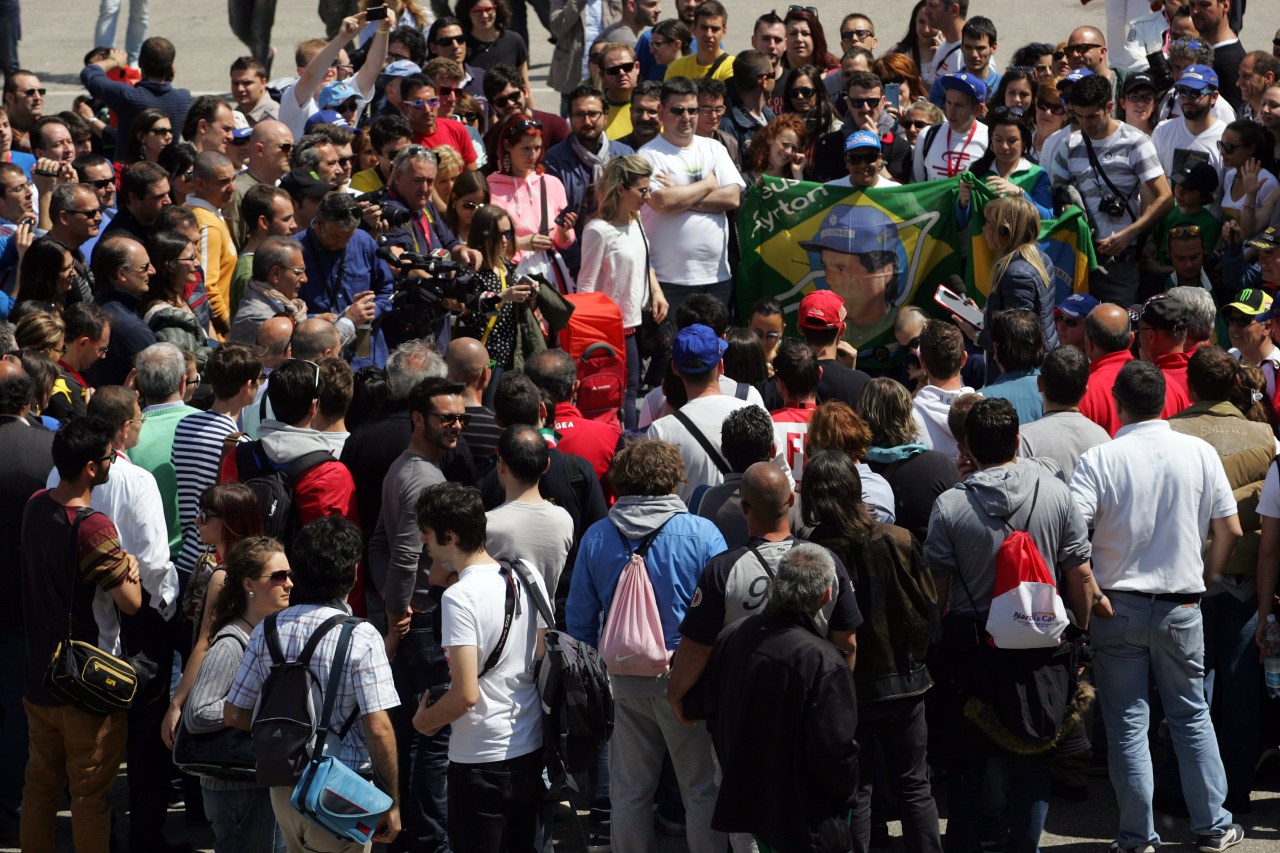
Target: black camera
(418, 303)
(1112, 206)
(395, 217)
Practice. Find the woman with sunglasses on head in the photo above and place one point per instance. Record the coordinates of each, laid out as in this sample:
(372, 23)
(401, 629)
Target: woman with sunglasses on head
(228, 513)
(489, 41)
(921, 41)
(806, 40)
(1004, 166)
(534, 199)
(615, 252)
(258, 583)
(42, 332)
(470, 193)
(152, 130)
(1017, 91)
(1036, 57)
(164, 308)
(1050, 117)
(806, 97)
(1248, 179)
(500, 318)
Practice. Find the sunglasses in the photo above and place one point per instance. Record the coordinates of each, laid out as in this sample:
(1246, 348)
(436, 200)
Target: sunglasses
(1237, 319)
(451, 419)
(1054, 109)
(619, 70)
(105, 459)
(472, 205)
(278, 577)
(204, 516)
(1081, 49)
(522, 126)
(509, 235)
(1228, 147)
(802, 91)
(850, 35)
(449, 41)
(102, 184)
(644, 191)
(1180, 231)
(423, 103)
(1069, 322)
(862, 158)
(1192, 94)
(682, 111)
(311, 363)
(1025, 69)
(161, 131)
(860, 103)
(448, 90)
(27, 93)
(812, 10)
(94, 213)
(914, 124)
(286, 147)
(506, 100)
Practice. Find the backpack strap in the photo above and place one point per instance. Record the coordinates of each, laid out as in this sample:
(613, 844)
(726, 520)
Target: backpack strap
(717, 458)
(336, 668)
(764, 564)
(73, 562)
(929, 136)
(317, 635)
(539, 600)
(715, 66)
(298, 468)
(645, 543)
(271, 637)
(695, 499)
(742, 391)
(510, 609)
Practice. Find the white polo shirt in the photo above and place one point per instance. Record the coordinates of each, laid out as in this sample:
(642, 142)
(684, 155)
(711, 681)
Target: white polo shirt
(1148, 495)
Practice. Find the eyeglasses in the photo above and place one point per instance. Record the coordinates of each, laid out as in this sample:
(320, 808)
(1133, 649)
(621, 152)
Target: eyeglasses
(141, 269)
(102, 183)
(1180, 231)
(1054, 109)
(506, 100)
(682, 111)
(914, 124)
(105, 459)
(588, 115)
(859, 103)
(204, 516)
(311, 363)
(347, 68)
(423, 103)
(1081, 49)
(448, 41)
(801, 91)
(509, 235)
(191, 260)
(1141, 97)
(27, 93)
(161, 131)
(812, 10)
(278, 578)
(472, 205)
(712, 111)
(850, 35)
(401, 57)
(88, 214)
(461, 419)
(295, 270)
(1192, 94)
(619, 70)
(522, 126)
(655, 42)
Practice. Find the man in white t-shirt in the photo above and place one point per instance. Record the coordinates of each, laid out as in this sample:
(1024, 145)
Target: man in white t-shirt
(695, 186)
(864, 158)
(298, 102)
(527, 526)
(695, 426)
(947, 149)
(1198, 130)
(495, 745)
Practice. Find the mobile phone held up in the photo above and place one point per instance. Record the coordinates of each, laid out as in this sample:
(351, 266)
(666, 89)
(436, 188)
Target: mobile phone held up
(891, 93)
(958, 307)
(375, 13)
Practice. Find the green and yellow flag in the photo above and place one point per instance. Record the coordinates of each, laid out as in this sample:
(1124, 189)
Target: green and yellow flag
(883, 249)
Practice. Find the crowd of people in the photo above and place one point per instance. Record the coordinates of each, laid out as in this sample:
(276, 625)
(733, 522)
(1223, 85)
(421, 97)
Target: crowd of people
(272, 361)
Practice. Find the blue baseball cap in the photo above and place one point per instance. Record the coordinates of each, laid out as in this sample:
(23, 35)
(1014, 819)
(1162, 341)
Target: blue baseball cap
(1198, 77)
(336, 93)
(969, 84)
(697, 349)
(854, 229)
(1078, 305)
(326, 117)
(862, 139)
(1075, 77)
(402, 68)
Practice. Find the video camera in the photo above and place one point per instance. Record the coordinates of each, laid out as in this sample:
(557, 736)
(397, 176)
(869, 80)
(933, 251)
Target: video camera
(395, 217)
(418, 301)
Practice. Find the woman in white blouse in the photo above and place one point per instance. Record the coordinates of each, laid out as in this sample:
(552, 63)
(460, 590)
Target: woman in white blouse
(615, 258)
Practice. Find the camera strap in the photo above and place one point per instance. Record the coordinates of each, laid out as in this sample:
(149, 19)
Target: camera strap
(1097, 167)
(493, 318)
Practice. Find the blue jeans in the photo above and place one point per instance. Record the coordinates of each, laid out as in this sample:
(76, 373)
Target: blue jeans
(13, 727)
(1022, 784)
(420, 667)
(242, 820)
(105, 31)
(1165, 640)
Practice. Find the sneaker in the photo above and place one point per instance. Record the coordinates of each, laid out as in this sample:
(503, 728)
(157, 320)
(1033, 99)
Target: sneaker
(1117, 847)
(1229, 837)
(598, 844)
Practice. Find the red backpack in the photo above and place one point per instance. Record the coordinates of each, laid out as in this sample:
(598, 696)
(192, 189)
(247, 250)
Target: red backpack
(596, 341)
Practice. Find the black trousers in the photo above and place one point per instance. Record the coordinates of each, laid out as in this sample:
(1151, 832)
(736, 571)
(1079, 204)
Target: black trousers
(150, 763)
(500, 800)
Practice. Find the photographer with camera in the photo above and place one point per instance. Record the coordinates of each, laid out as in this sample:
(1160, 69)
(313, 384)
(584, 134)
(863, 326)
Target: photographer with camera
(1126, 198)
(346, 283)
(414, 223)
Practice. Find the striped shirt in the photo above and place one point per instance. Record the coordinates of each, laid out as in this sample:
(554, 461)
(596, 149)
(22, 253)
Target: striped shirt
(197, 454)
(366, 680)
(1129, 158)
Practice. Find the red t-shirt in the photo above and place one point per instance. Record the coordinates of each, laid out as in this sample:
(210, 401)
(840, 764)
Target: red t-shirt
(1098, 405)
(452, 133)
(595, 441)
(1176, 395)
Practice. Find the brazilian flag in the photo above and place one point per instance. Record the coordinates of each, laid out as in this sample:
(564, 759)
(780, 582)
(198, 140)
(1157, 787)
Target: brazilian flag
(884, 248)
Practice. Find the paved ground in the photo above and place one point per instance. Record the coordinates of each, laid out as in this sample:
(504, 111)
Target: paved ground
(57, 33)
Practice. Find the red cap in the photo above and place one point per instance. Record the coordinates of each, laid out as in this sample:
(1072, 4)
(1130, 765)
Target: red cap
(821, 309)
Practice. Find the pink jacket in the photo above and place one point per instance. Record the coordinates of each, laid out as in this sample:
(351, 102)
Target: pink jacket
(521, 198)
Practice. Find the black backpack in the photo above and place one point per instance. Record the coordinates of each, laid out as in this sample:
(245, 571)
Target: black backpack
(577, 702)
(274, 484)
(287, 717)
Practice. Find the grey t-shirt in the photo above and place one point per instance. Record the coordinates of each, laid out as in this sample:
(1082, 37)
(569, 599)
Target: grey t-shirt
(541, 534)
(1062, 437)
(398, 565)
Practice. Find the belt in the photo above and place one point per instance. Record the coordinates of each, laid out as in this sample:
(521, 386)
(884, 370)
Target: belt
(1170, 597)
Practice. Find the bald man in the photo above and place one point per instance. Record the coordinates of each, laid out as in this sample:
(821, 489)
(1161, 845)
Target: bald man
(1107, 339)
(315, 338)
(468, 363)
(1087, 48)
(269, 147)
(274, 337)
(735, 584)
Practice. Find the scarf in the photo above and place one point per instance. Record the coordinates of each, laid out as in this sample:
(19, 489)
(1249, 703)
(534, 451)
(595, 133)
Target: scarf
(294, 307)
(595, 161)
(886, 455)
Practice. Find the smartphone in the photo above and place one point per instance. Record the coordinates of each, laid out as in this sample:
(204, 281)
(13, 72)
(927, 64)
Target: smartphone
(891, 91)
(375, 13)
(955, 303)
(562, 215)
